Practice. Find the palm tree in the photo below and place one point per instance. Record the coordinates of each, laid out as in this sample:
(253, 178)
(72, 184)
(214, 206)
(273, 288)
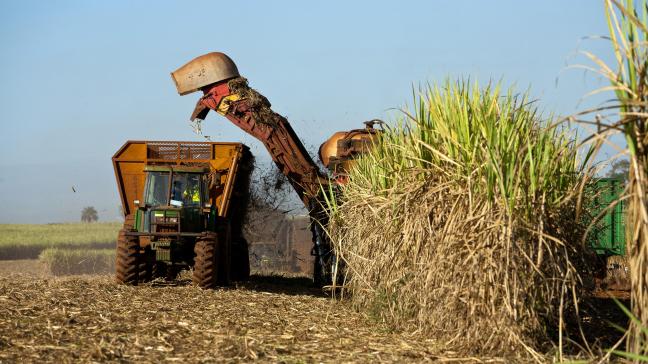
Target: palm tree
(89, 214)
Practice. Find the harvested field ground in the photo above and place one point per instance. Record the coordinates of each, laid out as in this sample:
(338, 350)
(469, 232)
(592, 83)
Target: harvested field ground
(269, 319)
(90, 318)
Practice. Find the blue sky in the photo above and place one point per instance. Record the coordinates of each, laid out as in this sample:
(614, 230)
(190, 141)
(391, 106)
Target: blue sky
(78, 78)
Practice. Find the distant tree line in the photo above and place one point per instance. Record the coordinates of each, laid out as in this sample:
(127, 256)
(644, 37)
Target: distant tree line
(619, 169)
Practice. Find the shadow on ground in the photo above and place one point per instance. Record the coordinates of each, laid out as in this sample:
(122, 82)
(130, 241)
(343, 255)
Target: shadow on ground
(283, 285)
(598, 325)
(293, 286)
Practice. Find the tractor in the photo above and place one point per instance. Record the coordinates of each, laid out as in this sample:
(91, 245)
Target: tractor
(183, 203)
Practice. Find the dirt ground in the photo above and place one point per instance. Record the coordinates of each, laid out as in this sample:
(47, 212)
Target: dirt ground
(269, 319)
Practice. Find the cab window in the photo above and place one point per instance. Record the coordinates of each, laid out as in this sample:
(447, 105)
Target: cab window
(186, 189)
(157, 187)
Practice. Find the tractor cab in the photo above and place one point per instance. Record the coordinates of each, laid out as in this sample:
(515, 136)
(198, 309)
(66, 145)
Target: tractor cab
(175, 200)
(183, 204)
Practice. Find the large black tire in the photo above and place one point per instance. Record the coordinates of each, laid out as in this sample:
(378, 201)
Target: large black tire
(224, 258)
(240, 261)
(146, 260)
(128, 258)
(172, 272)
(205, 271)
(320, 279)
(159, 270)
(322, 253)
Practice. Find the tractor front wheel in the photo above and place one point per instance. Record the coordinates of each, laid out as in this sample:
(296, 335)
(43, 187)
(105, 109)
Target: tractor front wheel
(128, 259)
(205, 271)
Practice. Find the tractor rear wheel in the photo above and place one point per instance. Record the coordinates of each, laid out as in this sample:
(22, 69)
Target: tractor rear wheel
(172, 272)
(128, 258)
(240, 261)
(159, 270)
(146, 261)
(205, 271)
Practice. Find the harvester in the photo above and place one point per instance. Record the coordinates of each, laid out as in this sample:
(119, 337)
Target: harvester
(227, 93)
(183, 204)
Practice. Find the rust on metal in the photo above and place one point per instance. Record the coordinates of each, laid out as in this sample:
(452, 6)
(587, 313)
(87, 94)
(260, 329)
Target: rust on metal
(339, 151)
(281, 141)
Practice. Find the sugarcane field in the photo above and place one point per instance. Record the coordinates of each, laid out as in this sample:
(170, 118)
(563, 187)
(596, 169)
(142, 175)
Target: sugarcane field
(332, 182)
